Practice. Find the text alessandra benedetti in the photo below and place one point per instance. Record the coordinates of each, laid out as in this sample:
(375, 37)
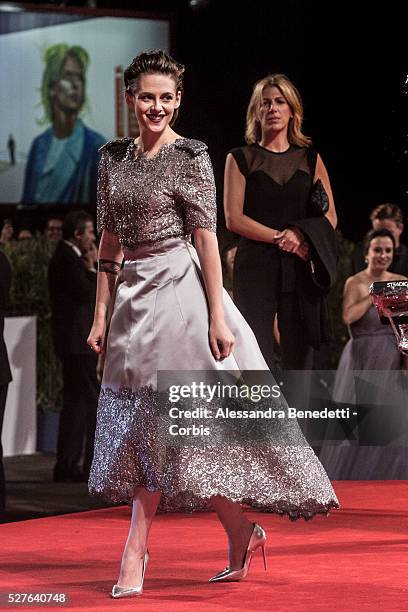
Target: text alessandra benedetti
(270, 413)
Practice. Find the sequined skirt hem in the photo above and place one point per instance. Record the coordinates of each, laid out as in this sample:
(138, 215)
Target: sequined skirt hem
(281, 474)
(187, 502)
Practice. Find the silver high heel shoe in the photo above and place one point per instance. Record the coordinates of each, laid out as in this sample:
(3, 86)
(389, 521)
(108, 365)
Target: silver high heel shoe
(257, 540)
(118, 591)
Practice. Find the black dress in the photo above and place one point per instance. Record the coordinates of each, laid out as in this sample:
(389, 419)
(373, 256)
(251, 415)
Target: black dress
(267, 279)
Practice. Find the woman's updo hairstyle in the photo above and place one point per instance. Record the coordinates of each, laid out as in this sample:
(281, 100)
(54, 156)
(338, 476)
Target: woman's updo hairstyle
(377, 233)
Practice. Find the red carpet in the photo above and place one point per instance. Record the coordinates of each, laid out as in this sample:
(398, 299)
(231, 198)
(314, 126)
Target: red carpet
(356, 559)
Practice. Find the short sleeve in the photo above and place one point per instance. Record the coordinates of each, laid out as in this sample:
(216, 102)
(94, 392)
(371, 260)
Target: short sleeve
(104, 212)
(196, 191)
(239, 156)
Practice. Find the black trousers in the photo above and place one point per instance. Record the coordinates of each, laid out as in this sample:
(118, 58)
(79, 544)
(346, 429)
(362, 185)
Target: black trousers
(78, 415)
(3, 397)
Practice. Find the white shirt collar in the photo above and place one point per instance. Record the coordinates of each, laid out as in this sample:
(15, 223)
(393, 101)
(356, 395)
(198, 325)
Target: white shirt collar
(74, 248)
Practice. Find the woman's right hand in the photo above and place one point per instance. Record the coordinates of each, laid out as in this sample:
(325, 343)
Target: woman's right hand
(96, 338)
(222, 340)
(293, 241)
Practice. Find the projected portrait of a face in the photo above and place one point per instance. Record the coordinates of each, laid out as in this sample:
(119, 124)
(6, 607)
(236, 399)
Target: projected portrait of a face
(63, 160)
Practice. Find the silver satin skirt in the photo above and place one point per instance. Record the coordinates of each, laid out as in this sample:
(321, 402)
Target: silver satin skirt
(160, 322)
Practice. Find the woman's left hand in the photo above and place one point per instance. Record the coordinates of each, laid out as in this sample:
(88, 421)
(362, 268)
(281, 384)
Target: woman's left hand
(303, 251)
(221, 340)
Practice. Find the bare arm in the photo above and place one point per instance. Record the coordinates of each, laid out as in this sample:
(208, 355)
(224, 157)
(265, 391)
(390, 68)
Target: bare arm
(321, 173)
(356, 299)
(234, 194)
(110, 257)
(221, 339)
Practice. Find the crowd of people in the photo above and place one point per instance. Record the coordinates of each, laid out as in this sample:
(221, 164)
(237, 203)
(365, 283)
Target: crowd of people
(23, 232)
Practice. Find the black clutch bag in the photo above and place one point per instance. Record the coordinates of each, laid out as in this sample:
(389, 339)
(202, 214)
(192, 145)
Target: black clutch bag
(318, 203)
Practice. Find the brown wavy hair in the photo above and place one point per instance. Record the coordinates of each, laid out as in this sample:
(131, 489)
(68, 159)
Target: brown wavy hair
(288, 90)
(154, 61)
(387, 211)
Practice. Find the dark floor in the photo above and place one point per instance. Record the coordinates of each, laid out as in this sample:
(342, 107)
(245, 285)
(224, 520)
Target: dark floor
(31, 492)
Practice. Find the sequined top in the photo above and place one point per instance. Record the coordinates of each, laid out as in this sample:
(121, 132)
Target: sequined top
(145, 200)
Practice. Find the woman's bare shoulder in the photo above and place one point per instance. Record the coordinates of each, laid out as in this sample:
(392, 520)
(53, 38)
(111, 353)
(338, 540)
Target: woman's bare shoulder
(392, 276)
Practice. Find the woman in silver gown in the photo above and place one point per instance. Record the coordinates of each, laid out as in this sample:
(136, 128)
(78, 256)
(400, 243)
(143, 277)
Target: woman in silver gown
(169, 312)
(368, 380)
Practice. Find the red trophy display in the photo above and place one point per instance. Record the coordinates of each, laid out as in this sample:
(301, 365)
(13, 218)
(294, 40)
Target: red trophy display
(391, 301)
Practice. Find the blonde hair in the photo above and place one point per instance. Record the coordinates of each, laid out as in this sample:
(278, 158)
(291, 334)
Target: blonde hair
(253, 132)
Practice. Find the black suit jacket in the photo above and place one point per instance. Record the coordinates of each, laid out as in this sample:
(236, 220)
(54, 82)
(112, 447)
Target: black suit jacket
(72, 292)
(5, 282)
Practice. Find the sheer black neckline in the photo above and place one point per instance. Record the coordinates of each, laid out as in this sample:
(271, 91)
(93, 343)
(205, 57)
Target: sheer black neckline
(258, 146)
(277, 185)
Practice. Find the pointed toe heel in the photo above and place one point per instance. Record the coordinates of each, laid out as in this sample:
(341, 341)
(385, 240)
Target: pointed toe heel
(257, 540)
(118, 592)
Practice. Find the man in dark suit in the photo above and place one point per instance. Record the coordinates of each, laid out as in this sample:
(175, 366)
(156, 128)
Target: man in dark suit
(5, 372)
(72, 286)
(385, 216)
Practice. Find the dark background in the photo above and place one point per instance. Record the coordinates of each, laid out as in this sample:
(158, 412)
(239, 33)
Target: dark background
(348, 60)
(349, 67)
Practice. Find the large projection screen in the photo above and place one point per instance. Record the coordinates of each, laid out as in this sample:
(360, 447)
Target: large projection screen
(62, 98)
